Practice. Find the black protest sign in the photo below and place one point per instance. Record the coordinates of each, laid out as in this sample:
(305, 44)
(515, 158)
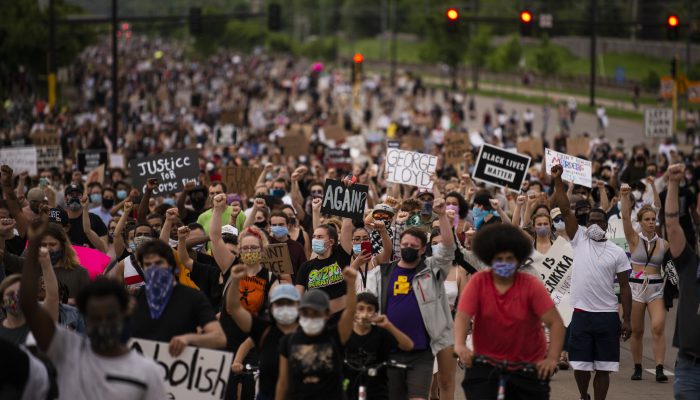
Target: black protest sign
(500, 167)
(226, 135)
(275, 258)
(338, 158)
(344, 201)
(91, 159)
(172, 170)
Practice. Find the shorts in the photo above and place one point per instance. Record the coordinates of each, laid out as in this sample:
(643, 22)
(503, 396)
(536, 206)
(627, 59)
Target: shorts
(481, 383)
(412, 382)
(647, 288)
(594, 343)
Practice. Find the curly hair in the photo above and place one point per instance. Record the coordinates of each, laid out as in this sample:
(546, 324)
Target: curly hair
(492, 240)
(103, 287)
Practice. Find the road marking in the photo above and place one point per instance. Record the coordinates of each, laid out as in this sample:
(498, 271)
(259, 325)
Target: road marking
(653, 371)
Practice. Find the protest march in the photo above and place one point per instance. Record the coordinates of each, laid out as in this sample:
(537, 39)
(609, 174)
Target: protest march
(264, 228)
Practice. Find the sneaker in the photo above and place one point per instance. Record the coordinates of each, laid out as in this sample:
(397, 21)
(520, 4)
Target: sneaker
(637, 375)
(588, 397)
(564, 362)
(660, 376)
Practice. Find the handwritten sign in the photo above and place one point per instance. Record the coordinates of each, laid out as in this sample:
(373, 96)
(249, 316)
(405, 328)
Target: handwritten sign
(555, 270)
(531, 146)
(338, 158)
(197, 373)
(295, 145)
(172, 170)
(658, 122)
(48, 157)
(20, 159)
(456, 144)
(616, 234)
(275, 258)
(344, 201)
(500, 167)
(576, 170)
(226, 135)
(410, 168)
(91, 159)
(241, 180)
(578, 146)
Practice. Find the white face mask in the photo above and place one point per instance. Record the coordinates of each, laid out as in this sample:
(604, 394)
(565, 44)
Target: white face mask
(560, 226)
(637, 195)
(312, 326)
(595, 232)
(285, 315)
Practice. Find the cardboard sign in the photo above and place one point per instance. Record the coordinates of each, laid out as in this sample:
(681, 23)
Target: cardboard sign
(197, 373)
(20, 159)
(410, 168)
(275, 258)
(414, 143)
(234, 117)
(616, 234)
(172, 170)
(338, 158)
(241, 180)
(576, 170)
(47, 137)
(456, 144)
(578, 146)
(295, 146)
(531, 146)
(344, 201)
(658, 122)
(334, 129)
(555, 270)
(501, 167)
(116, 160)
(91, 159)
(48, 157)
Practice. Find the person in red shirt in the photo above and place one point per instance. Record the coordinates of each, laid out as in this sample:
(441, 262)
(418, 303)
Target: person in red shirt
(508, 308)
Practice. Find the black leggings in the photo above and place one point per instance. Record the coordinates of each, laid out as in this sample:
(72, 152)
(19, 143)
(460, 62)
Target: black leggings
(14, 371)
(481, 383)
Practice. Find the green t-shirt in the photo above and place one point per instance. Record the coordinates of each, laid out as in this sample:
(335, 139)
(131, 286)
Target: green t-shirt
(205, 219)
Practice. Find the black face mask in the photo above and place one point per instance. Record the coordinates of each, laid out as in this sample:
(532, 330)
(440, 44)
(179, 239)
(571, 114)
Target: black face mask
(107, 203)
(409, 254)
(582, 219)
(261, 224)
(198, 203)
(639, 158)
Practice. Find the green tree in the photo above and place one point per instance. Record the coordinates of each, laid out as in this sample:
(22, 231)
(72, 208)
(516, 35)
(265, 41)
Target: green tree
(547, 61)
(442, 46)
(479, 50)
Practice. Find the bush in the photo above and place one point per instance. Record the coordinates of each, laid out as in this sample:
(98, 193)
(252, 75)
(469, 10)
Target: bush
(651, 81)
(319, 49)
(281, 43)
(243, 35)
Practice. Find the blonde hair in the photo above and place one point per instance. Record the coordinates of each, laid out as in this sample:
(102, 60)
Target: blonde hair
(254, 231)
(645, 209)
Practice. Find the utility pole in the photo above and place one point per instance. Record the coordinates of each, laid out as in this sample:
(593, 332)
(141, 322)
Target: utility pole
(594, 10)
(52, 56)
(115, 75)
(392, 10)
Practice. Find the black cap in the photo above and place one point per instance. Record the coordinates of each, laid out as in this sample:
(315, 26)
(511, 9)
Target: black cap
(59, 216)
(316, 300)
(74, 188)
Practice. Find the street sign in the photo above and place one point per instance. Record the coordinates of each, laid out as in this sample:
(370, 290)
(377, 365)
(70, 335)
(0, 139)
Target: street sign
(694, 92)
(546, 21)
(658, 122)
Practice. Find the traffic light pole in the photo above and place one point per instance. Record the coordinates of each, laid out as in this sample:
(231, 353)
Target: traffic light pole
(52, 56)
(115, 75)
(594, 10)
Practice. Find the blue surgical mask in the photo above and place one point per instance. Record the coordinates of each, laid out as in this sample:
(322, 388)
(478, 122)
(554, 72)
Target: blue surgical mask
(318, 246)
(169, 201)
(504, 269)
(121, 194)
(277, 192)
(96, 198)
(479, 216)
(279, 231)
(435, 248)
(357, 248)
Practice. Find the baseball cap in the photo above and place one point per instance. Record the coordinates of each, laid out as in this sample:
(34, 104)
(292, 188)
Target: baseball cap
(425, 191)
(36, 194)
(383, 208)
(73, 188)
(284, 291)
(229, 229)
(554, 212)
(582, 204)
(316, 300)
(58, 215)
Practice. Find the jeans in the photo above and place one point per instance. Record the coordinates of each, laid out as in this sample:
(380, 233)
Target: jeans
(686, 384)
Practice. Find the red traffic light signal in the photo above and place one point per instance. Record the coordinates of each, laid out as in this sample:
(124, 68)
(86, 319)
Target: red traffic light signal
(358, 58)
(525, 17)
(672, 21)
(452, 14)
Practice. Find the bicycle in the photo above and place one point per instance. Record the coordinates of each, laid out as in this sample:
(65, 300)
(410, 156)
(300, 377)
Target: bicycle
(370, 372)
(505, 369)
(254, 371)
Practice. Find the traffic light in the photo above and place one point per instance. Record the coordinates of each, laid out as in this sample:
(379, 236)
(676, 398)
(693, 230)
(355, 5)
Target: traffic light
(357, 60)
(274, 17)
(452, 20)
(195, 20)
(526, 23)
(674, 67)
(672, 27)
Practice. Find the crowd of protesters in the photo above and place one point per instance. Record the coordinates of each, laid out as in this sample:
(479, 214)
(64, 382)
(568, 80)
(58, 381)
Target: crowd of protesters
(433, 279)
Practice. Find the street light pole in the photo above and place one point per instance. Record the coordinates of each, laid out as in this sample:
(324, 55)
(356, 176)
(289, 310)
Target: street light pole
(594, 10)
(52, 56)
(115, 76)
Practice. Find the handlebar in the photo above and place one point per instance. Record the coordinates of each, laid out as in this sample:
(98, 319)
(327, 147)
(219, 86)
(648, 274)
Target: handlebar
(504, 365)
(374, 369)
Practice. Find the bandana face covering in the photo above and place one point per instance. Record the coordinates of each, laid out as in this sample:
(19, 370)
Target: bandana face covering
(159, 287)
(595, 232)
(504, 269)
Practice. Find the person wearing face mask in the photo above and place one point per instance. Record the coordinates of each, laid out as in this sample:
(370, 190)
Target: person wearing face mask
(636, 168)
(265, 335)
(65, 262)
(103, 207)
(169, 312)
(259, 215)
(296, 232)
(36, 198)
(202, 267)
(542, 225)
(373, 337)
(502, 300)
(482, 210)
(279, 232)
(75, 210)
(362, 235)
(411, 293)
(279, 190)
(311, 358)
(558, 224)
(595, 328)
(128, 270)
(104, 305)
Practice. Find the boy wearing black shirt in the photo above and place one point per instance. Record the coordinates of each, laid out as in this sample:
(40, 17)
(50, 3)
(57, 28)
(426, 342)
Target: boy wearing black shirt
(373, 338)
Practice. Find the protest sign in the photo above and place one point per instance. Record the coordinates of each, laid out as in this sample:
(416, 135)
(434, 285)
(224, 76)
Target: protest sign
(344, 201)
(456, 144)
(410, 168)
(94, 261)
(338, 158)
(531, 146)
(226, 135)
(334, 130)
(234, 117)
(295, 145)
(501, 167)
(241, 180)
(658, 122)
(276, 259)
(616, 234)
(20, 159)
(576, 170)
(578, 146)
(393, 144)
(116, 160)
(414, 143)
(46, 137)
(91, 159)
(555, 270)
(172, 170)
(48, 157)
(197, 373)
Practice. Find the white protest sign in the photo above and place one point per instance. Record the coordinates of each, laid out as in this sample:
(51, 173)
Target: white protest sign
(410, 168)
(196, 374)
(576, 170)
(49, 157)
(555, 270)
(616, 234)
(658, 122)
(19, 159)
